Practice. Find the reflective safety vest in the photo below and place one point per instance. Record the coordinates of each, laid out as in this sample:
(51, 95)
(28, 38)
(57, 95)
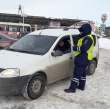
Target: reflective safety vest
(90, 51)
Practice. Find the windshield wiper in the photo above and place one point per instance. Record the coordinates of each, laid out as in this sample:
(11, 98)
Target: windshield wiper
(18, 50)
(23, 51)
(11, 49)
(30, 52)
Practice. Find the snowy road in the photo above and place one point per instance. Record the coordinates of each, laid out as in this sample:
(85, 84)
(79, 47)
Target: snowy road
(95, 96)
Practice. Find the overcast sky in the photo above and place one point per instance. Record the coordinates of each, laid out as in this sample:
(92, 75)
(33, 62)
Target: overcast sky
(71, 9)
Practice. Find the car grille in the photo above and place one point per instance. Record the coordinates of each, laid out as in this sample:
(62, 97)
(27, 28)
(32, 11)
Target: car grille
(1, 70)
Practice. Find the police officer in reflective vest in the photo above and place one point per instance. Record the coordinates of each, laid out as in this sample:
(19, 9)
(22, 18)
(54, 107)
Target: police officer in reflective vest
(83, 56)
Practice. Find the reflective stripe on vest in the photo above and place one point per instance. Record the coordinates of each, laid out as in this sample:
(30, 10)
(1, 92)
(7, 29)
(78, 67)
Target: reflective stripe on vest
(90, 51)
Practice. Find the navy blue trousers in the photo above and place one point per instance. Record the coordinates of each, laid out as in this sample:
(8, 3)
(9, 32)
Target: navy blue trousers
(79, 77)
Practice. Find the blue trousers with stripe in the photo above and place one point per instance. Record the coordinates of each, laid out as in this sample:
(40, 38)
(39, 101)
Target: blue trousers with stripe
(79, 77)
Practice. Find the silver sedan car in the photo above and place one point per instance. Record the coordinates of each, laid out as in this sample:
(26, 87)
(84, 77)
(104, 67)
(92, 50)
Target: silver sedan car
(6, 41)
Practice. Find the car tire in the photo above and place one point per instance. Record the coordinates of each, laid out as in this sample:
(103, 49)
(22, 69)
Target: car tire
(91, 68)
(35, 87)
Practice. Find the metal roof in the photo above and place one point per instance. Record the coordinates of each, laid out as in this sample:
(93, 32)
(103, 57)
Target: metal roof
(39, 20)
(14, 24)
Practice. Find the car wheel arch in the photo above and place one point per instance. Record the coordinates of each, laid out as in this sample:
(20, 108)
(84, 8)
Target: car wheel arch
(92, 66)
(40, 75)
(96, 61)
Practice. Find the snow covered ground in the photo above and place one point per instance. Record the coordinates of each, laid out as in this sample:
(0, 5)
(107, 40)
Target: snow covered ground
(104, 43)
(95, 96)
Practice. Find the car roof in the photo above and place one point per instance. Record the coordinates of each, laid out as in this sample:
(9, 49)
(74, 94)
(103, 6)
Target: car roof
(3, 35)
(7, 37)
(56, 32)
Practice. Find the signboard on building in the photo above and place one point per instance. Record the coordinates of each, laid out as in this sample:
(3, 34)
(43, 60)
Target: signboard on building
(54, 24)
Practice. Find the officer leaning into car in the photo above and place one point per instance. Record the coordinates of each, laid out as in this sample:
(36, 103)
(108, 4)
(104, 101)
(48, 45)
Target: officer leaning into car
(83, 55)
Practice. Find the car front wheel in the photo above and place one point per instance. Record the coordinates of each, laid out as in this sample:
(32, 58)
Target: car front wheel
(34, 88)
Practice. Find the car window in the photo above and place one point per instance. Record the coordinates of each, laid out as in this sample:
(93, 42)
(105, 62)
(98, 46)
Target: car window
(65, 47)
(75, 38)
(36, 44)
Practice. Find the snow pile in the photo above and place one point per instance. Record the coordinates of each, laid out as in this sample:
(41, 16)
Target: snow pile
(104, 43)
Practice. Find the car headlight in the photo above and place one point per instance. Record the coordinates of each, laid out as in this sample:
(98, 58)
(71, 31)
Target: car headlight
(10, 73)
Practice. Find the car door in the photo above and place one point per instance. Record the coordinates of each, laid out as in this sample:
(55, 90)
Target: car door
(61, 65)
(4, 42)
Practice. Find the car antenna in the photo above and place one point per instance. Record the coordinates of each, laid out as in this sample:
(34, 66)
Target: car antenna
(65, 28)
(40, 32)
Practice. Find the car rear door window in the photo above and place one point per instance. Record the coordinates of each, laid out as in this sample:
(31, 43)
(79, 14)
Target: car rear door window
(75, 39)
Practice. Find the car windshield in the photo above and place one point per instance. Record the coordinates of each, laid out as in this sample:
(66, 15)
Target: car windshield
(34, 44)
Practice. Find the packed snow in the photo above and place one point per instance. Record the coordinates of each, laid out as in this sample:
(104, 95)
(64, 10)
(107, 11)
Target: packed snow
(104, 43)
(95, 96)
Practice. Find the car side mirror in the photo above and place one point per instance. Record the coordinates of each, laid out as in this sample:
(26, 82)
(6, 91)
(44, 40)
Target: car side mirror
(57, 53)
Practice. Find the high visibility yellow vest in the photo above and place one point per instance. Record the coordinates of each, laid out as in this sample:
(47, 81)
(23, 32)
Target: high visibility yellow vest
(90, 51)
(99, 30)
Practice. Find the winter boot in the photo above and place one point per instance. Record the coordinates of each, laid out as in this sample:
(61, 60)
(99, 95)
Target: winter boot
(69, 91)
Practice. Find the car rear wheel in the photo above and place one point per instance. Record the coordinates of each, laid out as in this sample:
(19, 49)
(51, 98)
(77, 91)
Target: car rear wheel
(91, 68)
(35, 87)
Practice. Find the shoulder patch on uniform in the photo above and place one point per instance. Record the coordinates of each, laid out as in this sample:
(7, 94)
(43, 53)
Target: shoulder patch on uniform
(85, 42)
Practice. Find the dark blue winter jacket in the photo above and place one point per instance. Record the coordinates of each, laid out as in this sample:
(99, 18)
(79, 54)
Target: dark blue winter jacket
(82, 59)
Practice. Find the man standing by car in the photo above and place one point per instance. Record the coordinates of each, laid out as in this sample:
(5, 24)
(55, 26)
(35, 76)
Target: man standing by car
(83, 55)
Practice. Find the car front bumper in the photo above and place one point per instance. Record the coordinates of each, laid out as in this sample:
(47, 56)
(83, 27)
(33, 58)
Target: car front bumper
(13, 86)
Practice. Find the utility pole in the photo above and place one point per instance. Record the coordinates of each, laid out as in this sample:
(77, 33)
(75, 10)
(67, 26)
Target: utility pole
(23, 15)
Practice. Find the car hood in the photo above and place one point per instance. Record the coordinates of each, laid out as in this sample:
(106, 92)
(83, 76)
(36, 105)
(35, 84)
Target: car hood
(10, 59)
